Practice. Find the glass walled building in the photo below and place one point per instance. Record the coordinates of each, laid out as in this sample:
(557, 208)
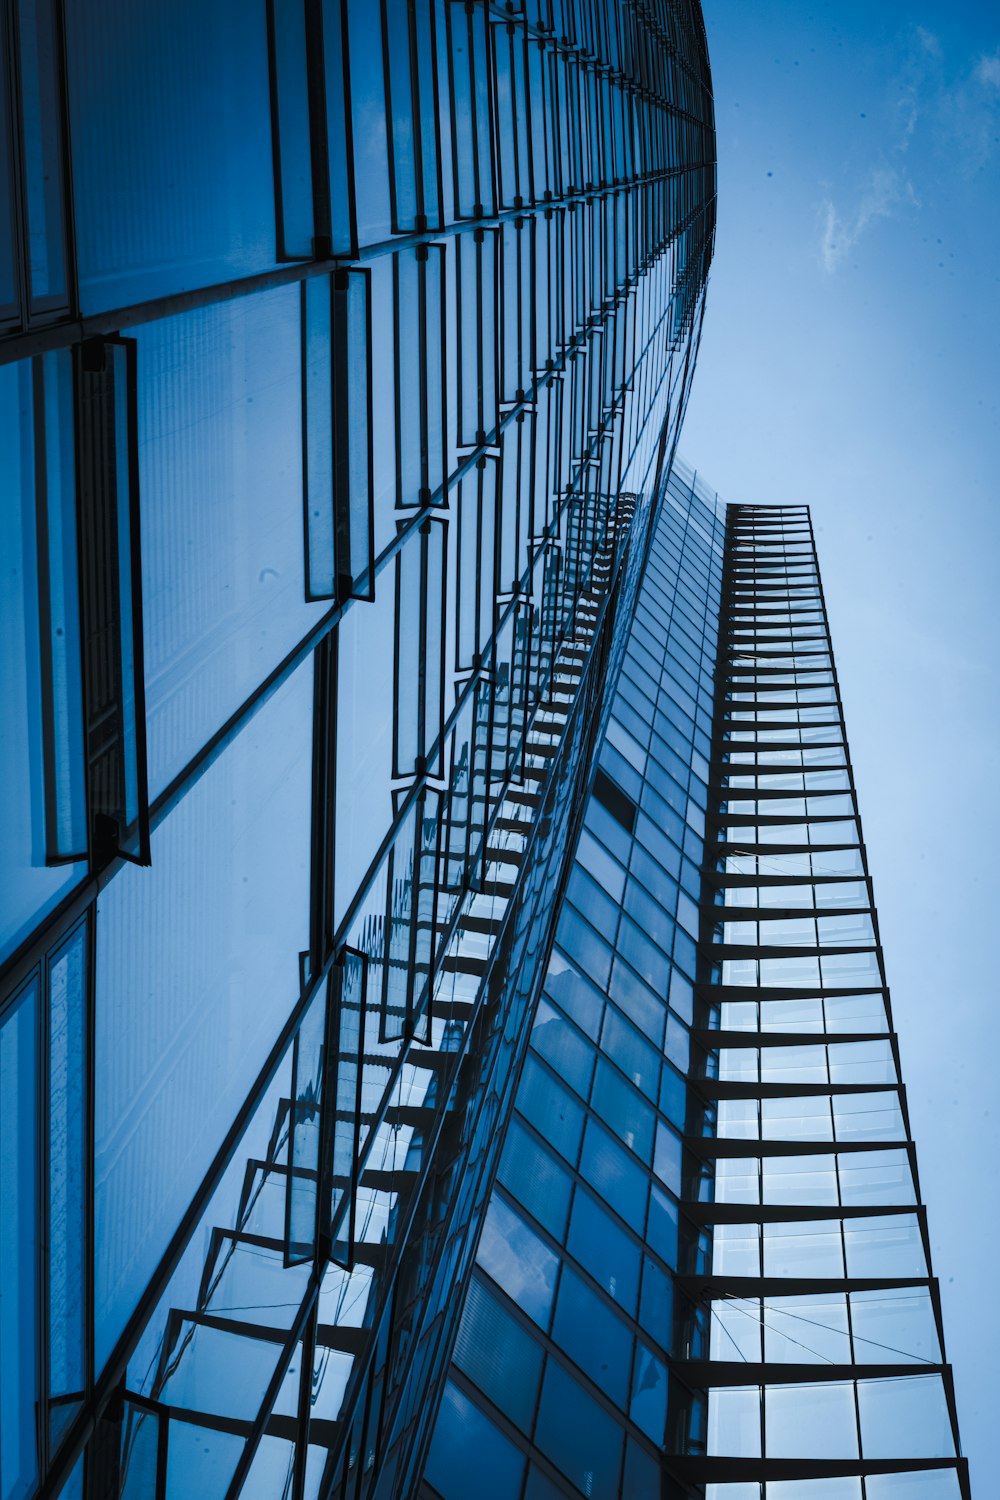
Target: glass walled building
(343, 351)
(704, 1270)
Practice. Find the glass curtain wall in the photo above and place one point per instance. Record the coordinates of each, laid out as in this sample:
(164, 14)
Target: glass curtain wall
(343, 350)
(561, 1381)
(704, 1272)
(818, 1336)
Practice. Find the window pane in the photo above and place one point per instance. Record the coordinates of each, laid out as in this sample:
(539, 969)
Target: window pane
(518, 1261)
(220, 461)
(811, 1421)
(197, 968)
(905, 1418)
(40, 103)
(8, 302)
(580, 1437)
(467, 1443)
(607, 1252)
(172, 164)
(593, 1336)
(498, 1354)
(67, 1105)
(530, 1173)
(27, 887)
(18, 1244)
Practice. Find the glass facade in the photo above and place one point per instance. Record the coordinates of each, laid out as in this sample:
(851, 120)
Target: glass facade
(704, 1271)
(343, 352)
(820, 1342)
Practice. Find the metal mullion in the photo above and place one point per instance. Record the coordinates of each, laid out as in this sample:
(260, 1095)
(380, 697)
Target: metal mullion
(416, 121)
(305, 1404)
(19, 177)
(345, 1215)
(125, 1344)
(293, 1337)
(477, 206)
(272, 71)
(591, 677)
(10, 66)
(76, 327)
(319, 145)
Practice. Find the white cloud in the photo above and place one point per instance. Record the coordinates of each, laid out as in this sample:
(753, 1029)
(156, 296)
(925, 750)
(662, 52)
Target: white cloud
(885, 191)
(952, 106)
(987, 70)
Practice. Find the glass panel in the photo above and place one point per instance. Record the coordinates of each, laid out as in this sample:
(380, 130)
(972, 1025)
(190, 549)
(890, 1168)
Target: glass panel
(734, 1422)
(8, 291)
(172, 155)
(140, 1439)
(593, 1336)
(905, 1418)
(304, 1128)
(366, 679)
(41, 105)
(291, 128)
(18, 1244)
(580, 1437)
(466, 1442)
(941, 1484)
(319, 418)
(351, 1026)
(610, 1255)
(354, 437)
(811, 1421)
(884, 1246)
(499, 1354)
(27, 886)
(197, 968)
(200, 1461)
(220, 471)
(617, 1177)
(555, 1114)
(648, 1407)
(518, 1261)
(130, 622)
(800, 1330)
(894, 1325)
(66, 1147)
(805, 1250)
(533, 1176)
(336, 126)
(66, 814)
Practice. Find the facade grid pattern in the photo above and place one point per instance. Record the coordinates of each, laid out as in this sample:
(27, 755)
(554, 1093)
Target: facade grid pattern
(819, 1338)
(343, 351)
(563, 1377)
(705, 1267)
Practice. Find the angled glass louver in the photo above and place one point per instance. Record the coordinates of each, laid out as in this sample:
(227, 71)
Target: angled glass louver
(818, 1333)
(704, 1272)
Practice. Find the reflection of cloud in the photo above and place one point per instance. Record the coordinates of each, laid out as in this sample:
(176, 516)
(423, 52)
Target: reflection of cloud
(887, 189)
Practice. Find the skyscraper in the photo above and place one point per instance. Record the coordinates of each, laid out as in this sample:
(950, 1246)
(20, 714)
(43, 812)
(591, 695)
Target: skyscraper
(705, 1269)
(343, 352)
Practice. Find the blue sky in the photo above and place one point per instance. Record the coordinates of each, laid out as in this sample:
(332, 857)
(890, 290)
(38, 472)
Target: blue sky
(850, 360)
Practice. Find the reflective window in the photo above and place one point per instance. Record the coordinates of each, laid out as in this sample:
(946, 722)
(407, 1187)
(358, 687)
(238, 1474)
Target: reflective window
(172, 164)
(580, 1437)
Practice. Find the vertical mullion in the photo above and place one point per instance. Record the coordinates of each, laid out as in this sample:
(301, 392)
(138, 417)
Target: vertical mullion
(111, 599)
(318, 130)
